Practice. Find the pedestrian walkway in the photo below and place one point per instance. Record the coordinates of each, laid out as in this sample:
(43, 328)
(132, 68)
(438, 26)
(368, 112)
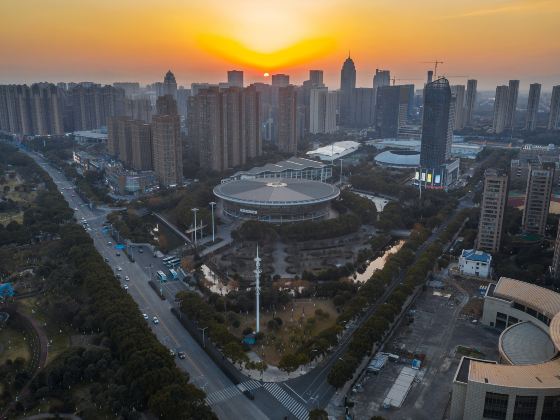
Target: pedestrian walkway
(297, 409)
(232, 391)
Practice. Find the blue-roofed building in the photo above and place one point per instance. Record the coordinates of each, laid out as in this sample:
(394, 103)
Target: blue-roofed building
(475, 263)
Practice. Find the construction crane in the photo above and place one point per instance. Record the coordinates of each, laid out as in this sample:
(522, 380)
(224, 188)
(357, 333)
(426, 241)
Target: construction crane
(393, 79)
(435, 63)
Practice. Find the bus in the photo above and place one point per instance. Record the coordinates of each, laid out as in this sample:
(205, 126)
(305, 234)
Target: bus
(161, 276)
(166, 259)
(174, 274)
(172, 263)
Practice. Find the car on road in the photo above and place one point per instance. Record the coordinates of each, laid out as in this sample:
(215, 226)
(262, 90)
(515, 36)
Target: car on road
(182, 355)
(119, 268)
(172, 352)
(118, 254)
(109, 243)
(146, 317)
(106, 259)
(75, 208)
(249, 394)
(125, 286)
(127, 278)
(155, 320)
(141, 250)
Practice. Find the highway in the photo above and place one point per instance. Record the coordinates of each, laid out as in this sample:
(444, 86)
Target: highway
(202, 370)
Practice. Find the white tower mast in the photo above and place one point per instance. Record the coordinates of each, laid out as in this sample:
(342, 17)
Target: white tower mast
(258, 287)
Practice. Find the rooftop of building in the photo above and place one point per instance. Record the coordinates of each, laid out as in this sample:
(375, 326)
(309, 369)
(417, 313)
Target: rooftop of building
(401, 158)
(475, 255)
(280, 191)
(538, 298)
(336, 150)
(525, 343)
(294, 163)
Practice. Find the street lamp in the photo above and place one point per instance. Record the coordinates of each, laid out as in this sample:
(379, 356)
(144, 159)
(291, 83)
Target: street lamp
(194, 210)
(212, 204)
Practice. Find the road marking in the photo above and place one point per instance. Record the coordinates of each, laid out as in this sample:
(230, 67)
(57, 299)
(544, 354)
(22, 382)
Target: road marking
(297, 409)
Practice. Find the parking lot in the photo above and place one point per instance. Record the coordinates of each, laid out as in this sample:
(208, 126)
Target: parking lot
(434, 336)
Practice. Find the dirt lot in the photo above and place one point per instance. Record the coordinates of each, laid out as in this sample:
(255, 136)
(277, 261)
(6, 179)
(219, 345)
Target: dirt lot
(438, 329)
(299, 322)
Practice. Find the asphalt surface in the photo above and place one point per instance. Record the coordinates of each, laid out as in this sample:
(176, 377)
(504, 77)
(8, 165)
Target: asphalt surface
(202, 370)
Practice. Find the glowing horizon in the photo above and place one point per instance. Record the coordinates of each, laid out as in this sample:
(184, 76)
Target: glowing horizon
(138, 40)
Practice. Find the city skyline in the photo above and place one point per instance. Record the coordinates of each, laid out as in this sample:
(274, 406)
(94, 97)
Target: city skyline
(201, 42)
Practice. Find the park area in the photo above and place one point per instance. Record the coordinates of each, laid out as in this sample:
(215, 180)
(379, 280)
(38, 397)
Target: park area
(289, 327)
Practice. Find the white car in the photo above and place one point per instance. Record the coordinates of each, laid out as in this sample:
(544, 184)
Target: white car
(109, 243)
(155, 320)
(126, 278)
(119, 268)
(146, 317)
(125, 286)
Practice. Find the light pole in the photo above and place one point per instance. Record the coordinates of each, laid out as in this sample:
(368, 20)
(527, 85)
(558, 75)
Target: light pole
(212, 204)
(194, 210)
(257, 288)
(203, 340)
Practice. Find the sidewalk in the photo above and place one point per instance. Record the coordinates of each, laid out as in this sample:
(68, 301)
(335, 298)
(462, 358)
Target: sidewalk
(273, 373)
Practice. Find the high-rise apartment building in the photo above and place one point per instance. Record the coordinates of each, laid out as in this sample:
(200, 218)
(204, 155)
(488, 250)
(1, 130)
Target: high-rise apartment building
(533, 106)
(32, 110)
(500, 109)
(470, 101)
(322, 111)
(169, 85)
(362, 107)
(458, 92)
(92, 105)
(391, 109)
(494, 199)
(381, 78)
(139, 108)
(280, 80)
(437, 125)
(316, 77)
(287, 138)
(235, 78)
(167, 151)
(537, 197)
(554, 117)
(166, 105)
(225, 126)
(513, 93)
(141, 144)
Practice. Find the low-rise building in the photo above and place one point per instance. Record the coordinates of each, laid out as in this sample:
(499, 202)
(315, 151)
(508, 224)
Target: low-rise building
(126, 182)
(525, 382)
(475, 263)
(293, 168)
(334, 151)
(91, 136)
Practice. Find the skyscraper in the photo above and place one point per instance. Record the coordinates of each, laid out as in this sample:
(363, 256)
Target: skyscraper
(225, 126)
(458, 92)
(167, 150)
(118, 139)
(166, 105)
(235, 78)
(316, 77)
(347, 86)
(513, 92)
(494, 199)
(554, 117)
(322, 111)
(139, 108)
(141, 143)
(391, 109)
(93, 104)
(169, 85)
(287, 120)
(537, 197)
(470, 101)
(533, 106)
(280, 80)
(500, 109)
(363, 107)
(381, 78)
(436, 125)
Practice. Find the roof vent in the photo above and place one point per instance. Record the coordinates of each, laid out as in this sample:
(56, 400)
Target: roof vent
(276, 184)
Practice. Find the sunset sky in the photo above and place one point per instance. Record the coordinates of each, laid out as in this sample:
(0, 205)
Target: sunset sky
(138, 40)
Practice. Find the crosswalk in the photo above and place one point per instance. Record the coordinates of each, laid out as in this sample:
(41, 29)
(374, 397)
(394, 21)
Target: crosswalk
(232, 391)
(296, 408)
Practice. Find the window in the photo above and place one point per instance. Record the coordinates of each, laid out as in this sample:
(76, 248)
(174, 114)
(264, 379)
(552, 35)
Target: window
(525, 407)
(500, 315)
(532, 312)
(551, 408)
(495, 406)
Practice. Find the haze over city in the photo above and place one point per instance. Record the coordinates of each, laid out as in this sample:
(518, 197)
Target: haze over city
(107, 41)
(295, 210)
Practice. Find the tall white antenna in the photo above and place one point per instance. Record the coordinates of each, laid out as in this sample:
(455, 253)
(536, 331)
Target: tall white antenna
(258, 287)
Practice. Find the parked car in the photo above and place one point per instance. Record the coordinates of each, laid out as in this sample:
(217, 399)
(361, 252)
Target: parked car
(172, 352)
(146, 317)
(155, 320)
(125, 287)
(182, 355)
(126, 278)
